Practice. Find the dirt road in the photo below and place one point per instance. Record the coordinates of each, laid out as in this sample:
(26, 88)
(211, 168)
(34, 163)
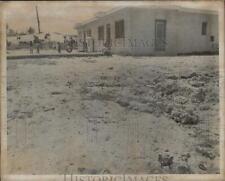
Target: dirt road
(113, 115)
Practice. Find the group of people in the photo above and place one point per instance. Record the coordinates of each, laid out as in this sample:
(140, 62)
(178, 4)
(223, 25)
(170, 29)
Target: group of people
(36, 44)
(69, 45)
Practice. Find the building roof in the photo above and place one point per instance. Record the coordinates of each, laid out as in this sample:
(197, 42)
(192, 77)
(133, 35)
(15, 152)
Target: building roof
(98, 16)
(169, 7)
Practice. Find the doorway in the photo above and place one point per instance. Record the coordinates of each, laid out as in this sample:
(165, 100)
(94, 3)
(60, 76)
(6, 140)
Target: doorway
(108, 36)
(160, 35)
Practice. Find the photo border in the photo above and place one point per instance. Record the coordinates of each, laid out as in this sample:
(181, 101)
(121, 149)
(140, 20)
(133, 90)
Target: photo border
(150, 177)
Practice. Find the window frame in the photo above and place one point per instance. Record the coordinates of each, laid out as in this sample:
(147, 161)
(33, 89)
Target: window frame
(89, 32)
(119, 30)
(101, 34)
(204, 28)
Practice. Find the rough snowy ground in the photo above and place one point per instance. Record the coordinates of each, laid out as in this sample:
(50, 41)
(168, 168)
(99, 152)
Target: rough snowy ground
(113, 115)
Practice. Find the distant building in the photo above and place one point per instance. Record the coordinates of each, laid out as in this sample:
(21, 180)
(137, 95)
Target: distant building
(48, 40)
(151, 31)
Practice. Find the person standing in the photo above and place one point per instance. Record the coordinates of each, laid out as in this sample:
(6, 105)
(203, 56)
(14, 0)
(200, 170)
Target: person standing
(59, 47)
(31, 47)
(37, 43)
(38, 47)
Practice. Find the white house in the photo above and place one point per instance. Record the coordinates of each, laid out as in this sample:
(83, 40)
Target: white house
(152, 30)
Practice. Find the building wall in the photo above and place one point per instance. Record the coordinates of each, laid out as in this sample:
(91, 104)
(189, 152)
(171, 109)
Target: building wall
(190, 38)
(118, 45)
(183, 31)
(143, 26)
(214, 30)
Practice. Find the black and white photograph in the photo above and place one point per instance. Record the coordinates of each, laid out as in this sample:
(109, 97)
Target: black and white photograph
(113, 88)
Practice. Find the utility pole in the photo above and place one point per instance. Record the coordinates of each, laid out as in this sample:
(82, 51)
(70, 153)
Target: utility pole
(38, 21)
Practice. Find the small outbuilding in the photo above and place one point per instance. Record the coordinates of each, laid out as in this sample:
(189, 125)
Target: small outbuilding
(152, 30)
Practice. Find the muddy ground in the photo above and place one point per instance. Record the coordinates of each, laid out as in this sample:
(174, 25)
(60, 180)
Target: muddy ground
(113, 115)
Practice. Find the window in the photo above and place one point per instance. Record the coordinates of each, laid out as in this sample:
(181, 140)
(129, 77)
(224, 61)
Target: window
(119, 29)
(101, 33)
(204, 28)
(89, 33)
(211, 38)
(80, 34)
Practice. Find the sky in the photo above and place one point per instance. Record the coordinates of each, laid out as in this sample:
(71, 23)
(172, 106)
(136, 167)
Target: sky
(63, 16)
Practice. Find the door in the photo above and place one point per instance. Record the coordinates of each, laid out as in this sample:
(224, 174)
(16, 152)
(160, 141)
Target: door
(160, 35)
(108, 36)
(85, 43)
